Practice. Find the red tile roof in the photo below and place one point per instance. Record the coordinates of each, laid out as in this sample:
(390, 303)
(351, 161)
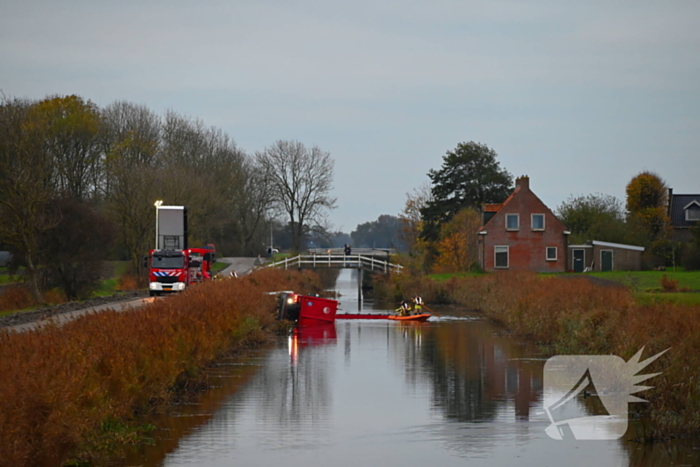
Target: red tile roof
(492, 207)
(483, 227)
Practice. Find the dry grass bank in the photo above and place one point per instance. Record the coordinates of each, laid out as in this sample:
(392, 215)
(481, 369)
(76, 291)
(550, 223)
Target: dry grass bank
(577, 316)
(63, 388)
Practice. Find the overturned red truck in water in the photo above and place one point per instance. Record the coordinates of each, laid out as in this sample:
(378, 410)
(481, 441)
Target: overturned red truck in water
(306, 309)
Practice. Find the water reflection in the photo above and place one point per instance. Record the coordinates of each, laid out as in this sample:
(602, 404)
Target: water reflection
(448, 392)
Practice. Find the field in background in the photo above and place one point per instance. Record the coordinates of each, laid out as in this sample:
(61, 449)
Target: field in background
(649, 281)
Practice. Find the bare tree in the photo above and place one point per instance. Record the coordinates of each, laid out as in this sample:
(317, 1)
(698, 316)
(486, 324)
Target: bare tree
(412, 227)
(69, 128)
(26, 185)
(203, 170)
(301, 181)
(132, 161)
(253, 207)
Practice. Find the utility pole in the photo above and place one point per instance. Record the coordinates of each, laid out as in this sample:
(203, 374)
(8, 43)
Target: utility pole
(157, 204)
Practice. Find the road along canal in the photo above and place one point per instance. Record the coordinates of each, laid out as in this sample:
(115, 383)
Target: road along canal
(453, 391)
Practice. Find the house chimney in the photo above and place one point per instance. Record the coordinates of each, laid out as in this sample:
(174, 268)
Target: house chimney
(523, 182)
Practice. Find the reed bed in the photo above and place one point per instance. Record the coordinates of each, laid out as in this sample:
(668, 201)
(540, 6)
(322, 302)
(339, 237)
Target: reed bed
(64, 388)
(575, 315)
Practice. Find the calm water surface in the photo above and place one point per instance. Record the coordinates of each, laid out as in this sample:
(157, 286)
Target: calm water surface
(450, 392)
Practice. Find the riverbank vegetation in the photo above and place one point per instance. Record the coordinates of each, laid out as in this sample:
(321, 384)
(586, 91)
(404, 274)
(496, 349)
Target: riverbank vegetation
(75, 391)
(577, 315)
(79, 182)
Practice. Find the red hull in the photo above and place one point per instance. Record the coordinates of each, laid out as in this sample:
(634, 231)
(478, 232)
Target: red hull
(316, 310)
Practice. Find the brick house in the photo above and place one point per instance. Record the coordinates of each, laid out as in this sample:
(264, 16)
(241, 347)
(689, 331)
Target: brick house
(684, 213)
(522, 234)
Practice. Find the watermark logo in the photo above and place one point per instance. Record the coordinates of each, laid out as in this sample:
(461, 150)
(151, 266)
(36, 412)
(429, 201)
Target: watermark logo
(586, 396)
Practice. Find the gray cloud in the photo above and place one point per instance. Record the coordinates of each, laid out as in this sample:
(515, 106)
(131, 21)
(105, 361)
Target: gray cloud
(579, 95)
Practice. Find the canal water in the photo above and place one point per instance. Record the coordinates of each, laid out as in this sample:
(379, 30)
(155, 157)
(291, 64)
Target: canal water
(455, 391)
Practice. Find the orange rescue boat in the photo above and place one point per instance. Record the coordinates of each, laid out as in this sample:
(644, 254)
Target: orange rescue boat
(419, 318)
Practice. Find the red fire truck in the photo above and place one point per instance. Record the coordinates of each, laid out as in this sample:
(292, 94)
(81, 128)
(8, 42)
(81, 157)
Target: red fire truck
(175, 270)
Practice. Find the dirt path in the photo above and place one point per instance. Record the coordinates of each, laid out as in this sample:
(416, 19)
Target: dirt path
(68, 311)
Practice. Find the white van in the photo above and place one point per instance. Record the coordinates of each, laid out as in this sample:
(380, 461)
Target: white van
(5, 258)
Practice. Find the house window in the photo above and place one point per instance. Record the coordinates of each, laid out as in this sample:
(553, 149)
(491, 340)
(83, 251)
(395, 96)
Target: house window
(692, 214)
(500, 256)
(538, 222)
(512, 221)
(551, 253)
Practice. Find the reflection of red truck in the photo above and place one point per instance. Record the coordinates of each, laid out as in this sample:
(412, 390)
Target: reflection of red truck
(174, 270)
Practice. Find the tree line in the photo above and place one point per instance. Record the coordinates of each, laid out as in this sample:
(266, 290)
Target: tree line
(439, 222)
(78, 183)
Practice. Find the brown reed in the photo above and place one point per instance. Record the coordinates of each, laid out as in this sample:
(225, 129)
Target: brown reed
(575, 315)
(15, 297)
(669, 285)
(61, 386)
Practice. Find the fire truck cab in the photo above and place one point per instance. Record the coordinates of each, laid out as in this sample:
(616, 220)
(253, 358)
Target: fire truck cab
(175, 270)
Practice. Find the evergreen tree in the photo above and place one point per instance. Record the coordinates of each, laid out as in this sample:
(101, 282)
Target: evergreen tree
(469, 177)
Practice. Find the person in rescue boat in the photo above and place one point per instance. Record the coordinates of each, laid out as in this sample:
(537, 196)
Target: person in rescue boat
(404, 309)
(417, 305)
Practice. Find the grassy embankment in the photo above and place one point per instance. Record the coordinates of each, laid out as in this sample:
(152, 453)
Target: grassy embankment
(117, 279)
(650, 287)
(573, 315)
(79, 390)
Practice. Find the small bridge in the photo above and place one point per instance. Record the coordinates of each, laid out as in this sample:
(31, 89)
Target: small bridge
(371, 261)
(341, 261)
(375, 252)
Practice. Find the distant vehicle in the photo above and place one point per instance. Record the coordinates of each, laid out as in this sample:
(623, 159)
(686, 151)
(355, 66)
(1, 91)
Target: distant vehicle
(5, 258)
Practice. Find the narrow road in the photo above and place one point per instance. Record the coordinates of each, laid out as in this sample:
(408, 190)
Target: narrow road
(242, 266)
(62, 318)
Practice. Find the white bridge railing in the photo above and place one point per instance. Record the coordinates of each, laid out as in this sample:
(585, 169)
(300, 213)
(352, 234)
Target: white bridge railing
(368, 263)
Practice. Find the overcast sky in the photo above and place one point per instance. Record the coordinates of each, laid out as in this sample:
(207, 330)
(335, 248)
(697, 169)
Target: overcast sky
(579, 95)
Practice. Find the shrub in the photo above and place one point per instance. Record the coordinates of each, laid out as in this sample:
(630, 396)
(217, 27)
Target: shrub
(127, 282)
(54, 297)
(669, 285)
(15, 298)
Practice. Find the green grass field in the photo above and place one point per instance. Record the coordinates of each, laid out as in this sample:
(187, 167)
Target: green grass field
(679, 298)
(219, 266)
(650, 281)
(645, 284)
(6, 277)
